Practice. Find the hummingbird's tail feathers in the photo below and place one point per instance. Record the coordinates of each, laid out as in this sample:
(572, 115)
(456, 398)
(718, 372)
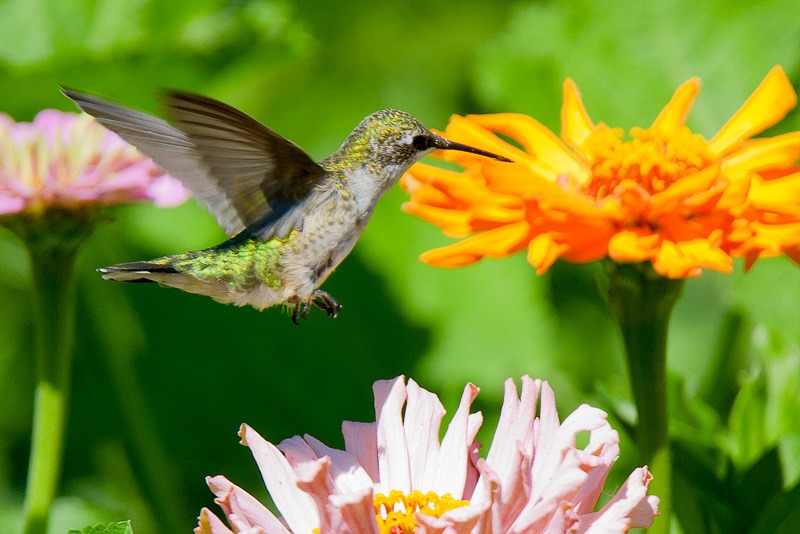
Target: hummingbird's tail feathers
(183, 272)
(138, 271)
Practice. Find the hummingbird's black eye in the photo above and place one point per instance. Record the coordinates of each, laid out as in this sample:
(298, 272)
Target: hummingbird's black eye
(421, 142)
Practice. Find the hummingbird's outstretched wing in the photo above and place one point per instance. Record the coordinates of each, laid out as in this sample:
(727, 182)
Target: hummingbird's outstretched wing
(244, 173)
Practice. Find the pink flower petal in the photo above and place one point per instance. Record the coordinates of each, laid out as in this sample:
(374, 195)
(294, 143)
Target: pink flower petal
(297, 507)
(354, 513)
(453, 456)
(298, 453)
(314, 481)
(393, 466)
(604, 442)
(456, 521)
(166, 191)
(555, 439)
(208, 523)
(312, 474)
(564, 519)
(235, 501)
(421, 423)
(548, 493)
(514, 431)
(361, 440)
(10, 204)
(474, 425)
(491, 517)
(630, 506)
(347, 476)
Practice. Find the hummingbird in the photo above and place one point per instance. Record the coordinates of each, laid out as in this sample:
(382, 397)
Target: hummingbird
(290, 220)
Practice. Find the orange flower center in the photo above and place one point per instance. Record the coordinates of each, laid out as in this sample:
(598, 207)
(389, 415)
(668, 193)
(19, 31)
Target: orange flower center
(395, 513)
(652, 159)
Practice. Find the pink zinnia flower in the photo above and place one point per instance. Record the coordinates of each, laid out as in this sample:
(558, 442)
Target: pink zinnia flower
(67, 160)
(396, 477)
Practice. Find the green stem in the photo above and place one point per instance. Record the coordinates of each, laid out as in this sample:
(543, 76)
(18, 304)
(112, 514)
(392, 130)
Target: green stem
(52, 239)
(54, 323)
(642, 301)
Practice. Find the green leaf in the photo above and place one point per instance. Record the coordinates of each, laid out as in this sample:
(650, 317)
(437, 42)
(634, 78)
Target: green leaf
(782, 370)
(789, 450)
(701, 499)
(691, 419)
(720, 383)
(781, 515)
(747, 437)
(765, 409)
(123, 527)
(759, 484)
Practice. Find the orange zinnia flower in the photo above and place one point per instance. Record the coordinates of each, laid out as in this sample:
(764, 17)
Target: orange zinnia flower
(664, 195)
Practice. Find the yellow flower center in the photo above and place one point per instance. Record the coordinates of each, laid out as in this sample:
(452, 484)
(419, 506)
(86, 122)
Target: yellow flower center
(395, 513)
(651, 159)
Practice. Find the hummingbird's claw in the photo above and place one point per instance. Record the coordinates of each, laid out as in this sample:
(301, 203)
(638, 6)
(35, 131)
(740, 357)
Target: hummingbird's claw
(306, 309)
(321, 300)
(324, 301)
(296, 311)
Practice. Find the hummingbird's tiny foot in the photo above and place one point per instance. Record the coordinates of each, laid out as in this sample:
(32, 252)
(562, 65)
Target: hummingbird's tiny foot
(296, 311)
(306, 309)
(326, 302)
(320, 299)
(332, 311)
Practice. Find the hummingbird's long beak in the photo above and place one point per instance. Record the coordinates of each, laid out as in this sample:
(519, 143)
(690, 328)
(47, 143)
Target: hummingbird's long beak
(445, 144)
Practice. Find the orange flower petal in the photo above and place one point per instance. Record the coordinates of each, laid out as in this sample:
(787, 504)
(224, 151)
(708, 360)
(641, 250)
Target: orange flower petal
(673, 116)
(520, 181)
(772, 239)
(734, 198)
(440, 257)
(769, 153)
(465, 192)
(497, 243)
(543, 251)
(676, 228)
(705, 200)
(590, 244)
(427, 194)
(422, 172)
(467, 131)
(575, 122)
(548, 150)
(768, 104)
(630, 245)
(707, 255)
(452, 222)
(781, 195)
(669, 199)
(497, 214)
(686, 259)
(670, 262)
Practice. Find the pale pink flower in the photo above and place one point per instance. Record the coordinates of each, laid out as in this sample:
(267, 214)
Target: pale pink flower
(67, 160)
(396, 477)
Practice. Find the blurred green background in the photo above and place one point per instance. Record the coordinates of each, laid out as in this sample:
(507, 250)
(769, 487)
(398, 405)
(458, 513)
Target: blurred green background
(163, 379)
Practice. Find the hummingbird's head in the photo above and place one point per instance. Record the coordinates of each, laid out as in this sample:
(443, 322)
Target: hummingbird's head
(382, 148)
(395, 138)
